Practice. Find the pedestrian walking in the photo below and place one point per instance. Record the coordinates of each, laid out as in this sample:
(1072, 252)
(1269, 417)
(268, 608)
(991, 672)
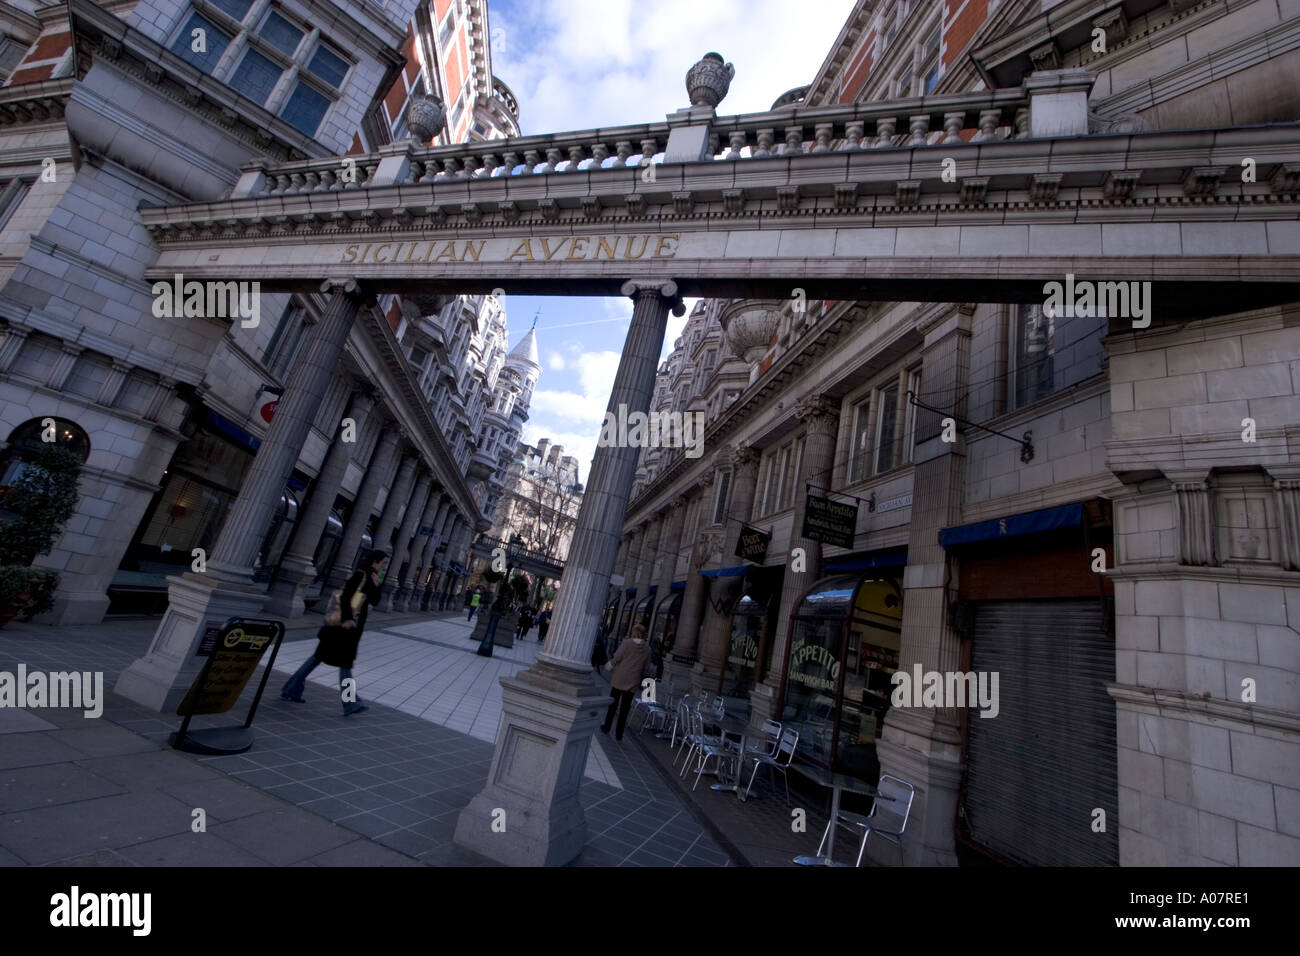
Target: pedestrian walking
(525, 622)
(337, 640)
(474, 600)
(543, 624)
(629, 665)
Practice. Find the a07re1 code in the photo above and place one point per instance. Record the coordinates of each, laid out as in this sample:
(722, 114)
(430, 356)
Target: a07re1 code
(1223, 897)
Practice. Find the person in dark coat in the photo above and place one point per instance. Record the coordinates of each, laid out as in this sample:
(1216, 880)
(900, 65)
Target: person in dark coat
(337, 643)
(543, 624)
(525, 621)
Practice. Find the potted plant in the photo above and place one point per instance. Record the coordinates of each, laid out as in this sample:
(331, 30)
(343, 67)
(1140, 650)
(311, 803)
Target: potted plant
(33, 511)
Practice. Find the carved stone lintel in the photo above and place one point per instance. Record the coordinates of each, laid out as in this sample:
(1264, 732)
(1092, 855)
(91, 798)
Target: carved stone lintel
(1043, 187)
(1286, 179)
(974, 189)
(549, 209)
(1119, 183)
(1045, 57)
(787, 198)
(471, 211)
(635, 204)
(509, 210)
(846, 195)
(733, 200)
(1115, 24)
(908, 192)
(1202, 180)
(683, 203)
(591, 206)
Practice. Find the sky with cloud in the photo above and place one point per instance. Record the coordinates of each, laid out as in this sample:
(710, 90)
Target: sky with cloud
(582, 64)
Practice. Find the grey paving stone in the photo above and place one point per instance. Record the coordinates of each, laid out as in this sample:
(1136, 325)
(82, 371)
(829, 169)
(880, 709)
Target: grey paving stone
(264, 779)
(282, 836)
(57, 833)
(156, 769)
(102, 740)
(223, 799)
(99, 858)
(367, 824)
(400, 815)
(296, 793)
(331, 785)
(26, 788)
(190, 849)
(331, 808)
(365, 800)
(8, 859)
(33, 750)
(406, 841)
(364, 853)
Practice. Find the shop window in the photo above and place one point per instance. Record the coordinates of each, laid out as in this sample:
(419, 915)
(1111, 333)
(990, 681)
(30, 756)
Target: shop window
(860, 447)
(886, 428)
(1050, 353)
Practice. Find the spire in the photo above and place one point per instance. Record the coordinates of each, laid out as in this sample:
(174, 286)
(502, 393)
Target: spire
(526, 350)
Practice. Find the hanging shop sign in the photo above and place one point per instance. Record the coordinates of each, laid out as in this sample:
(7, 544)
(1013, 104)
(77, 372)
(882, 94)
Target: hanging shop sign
(830, 522)
(752, 544)
(268, 410)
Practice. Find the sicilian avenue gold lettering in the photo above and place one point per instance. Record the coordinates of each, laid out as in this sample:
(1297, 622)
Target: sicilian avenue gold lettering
(539, 248)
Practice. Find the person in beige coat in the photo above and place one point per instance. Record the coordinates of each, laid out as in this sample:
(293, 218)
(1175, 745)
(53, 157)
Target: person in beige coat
(629, 665)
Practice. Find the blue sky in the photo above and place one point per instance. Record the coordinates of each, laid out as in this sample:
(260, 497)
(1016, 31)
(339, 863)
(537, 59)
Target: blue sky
(580, 64)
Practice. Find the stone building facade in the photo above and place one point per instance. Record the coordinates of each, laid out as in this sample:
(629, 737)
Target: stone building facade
(142, 110)
(541, 502)
(1104, 513)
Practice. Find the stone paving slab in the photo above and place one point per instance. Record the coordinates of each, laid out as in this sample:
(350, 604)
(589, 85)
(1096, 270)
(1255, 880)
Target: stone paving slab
(385, 787)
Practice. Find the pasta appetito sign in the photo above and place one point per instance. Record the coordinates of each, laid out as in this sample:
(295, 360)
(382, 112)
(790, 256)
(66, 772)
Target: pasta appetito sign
(830, 522)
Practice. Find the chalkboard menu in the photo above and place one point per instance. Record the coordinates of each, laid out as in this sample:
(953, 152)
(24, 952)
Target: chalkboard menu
(235, 654)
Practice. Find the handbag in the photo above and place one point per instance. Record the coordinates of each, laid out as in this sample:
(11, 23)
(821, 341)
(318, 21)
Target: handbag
(334, 606)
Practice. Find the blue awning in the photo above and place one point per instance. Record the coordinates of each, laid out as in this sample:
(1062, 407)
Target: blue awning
(726, 572)
(630, 592)
(1032, 522)
(228, 428)
(677, 586)
(898, 559)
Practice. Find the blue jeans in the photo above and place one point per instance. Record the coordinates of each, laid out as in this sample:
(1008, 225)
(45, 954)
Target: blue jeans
(296, 684)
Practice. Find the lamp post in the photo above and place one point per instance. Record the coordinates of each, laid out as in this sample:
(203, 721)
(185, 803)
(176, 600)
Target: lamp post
(514, 549)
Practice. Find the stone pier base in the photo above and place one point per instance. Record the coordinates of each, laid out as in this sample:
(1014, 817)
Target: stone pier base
(529, 813)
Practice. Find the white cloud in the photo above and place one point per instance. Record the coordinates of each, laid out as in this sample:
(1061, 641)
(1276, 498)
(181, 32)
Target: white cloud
(556, 362)
(583, 64)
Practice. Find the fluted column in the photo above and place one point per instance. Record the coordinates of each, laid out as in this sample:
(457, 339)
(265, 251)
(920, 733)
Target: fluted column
(1195, 524)
(159, 679)
(297, 569)
(448, 578)
(424, 576)
(1287, 489)
(670, 544)
(820, 417)
(717, 626)
(693, 600)
(634, 548)
(649, 555)
(394, 505)
(241, 535)
(395, 598)
(383, 464)
(551, 709)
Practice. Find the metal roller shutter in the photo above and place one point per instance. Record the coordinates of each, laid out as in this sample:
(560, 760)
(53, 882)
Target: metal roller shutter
(1037, 770)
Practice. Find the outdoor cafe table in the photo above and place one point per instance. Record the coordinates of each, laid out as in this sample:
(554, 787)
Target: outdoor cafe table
(735, 727)
(838, 782)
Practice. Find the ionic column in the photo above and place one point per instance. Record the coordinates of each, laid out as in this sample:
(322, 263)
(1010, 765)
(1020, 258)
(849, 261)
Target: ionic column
(383, 463)
(550, 710)
(395, 599)
(717, 627)
(820, 417)
(297, 569)
(159, 679)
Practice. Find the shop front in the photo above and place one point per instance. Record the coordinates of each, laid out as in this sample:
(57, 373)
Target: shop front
(841, 654)
(635, 612)
(1033, 610)
(753, 620)
(663, 629)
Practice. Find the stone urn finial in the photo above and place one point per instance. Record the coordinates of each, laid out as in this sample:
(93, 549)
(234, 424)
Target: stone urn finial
(707, 81)
(749, 325)
(425, 117)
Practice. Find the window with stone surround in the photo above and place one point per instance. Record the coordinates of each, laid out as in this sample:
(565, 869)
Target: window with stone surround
(909, 427)
(266, 55)
(29, 438)
(11, 197)
(1050, 353)
(722, 486)
(860, 442)
(886, 427)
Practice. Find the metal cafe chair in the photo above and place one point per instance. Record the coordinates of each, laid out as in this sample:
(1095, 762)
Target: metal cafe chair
(722, 750)
(771, 736)
(681, 724)
(779, 761)
(657, 713)
(698, 740)
(888, 816)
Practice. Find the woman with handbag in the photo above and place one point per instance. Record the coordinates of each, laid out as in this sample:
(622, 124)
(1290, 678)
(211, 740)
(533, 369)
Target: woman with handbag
(337, 640)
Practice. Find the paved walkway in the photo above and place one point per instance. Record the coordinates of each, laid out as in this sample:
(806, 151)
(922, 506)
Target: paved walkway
(380, 788)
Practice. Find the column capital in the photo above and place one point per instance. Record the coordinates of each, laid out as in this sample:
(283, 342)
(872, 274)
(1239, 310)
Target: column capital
(666, 289)
(819, 413)
(706, 479)
(678, 504)
(744, 456)
(348, 287)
